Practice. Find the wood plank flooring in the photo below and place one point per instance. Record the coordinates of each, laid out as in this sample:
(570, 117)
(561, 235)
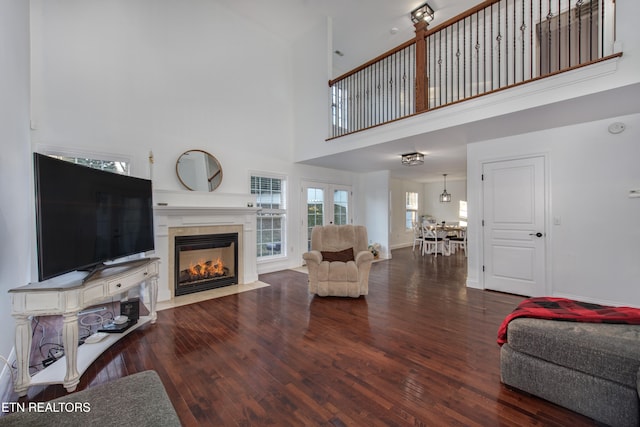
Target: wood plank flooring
(419, 350)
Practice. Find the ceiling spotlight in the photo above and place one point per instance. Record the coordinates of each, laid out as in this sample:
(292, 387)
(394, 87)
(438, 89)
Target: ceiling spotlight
(412, 159)
(422, 13)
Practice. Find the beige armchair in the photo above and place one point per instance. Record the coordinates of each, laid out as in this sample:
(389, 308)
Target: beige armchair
(339, 261)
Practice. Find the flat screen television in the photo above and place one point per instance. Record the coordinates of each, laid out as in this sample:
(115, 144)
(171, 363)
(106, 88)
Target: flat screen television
(86, 217)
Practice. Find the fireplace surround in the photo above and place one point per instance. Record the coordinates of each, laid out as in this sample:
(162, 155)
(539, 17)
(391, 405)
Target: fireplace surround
(180, 213)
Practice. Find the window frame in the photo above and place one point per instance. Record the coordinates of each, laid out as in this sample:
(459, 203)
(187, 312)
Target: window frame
(411, 209)
(66, 154)
(264, 212)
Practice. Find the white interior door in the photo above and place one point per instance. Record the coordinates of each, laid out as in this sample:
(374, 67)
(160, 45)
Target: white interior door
(324, 204)
(514, 226)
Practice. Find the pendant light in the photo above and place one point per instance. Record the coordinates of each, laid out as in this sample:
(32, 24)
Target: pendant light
(445, 197)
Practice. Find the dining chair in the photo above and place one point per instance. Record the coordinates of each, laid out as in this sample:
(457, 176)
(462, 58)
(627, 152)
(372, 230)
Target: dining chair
(433, 242)
(458, 242)
(417, 236)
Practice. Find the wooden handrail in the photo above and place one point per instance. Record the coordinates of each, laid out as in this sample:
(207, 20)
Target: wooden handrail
(460, 17)
(373, 61)
(428, 32)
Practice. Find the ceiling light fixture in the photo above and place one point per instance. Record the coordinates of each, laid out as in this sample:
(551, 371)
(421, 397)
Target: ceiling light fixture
(445, 197)
(412, 159)
(422, 13)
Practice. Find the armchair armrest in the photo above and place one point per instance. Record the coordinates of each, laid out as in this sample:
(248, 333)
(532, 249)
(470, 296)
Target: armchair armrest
(363, 257)
(312, 256)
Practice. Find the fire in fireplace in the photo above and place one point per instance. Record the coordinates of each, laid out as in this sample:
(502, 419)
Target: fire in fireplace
(205, 262)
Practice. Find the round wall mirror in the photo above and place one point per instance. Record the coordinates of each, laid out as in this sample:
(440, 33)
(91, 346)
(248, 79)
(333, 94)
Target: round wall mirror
(199, 171)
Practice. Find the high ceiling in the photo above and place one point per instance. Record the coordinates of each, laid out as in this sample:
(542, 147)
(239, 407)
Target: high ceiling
(364, 29)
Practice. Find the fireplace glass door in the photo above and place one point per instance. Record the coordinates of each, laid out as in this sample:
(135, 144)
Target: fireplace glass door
(205, 262)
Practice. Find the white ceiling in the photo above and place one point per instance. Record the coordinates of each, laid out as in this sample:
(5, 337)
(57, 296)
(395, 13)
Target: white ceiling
(362, 30)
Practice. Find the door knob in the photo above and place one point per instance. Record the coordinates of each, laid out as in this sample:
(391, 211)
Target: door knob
(538, 234)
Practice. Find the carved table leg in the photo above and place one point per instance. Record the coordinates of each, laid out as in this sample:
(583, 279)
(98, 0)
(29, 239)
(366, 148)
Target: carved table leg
(153, 298)
(23, 354)
(70, 341)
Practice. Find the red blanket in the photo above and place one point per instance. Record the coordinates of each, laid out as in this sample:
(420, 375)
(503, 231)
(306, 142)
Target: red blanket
(569, 310)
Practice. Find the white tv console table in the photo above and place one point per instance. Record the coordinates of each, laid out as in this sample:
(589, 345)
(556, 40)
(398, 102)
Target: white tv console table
(67, 297)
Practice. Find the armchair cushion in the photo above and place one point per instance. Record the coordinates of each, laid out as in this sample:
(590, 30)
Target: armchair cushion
(342, 256)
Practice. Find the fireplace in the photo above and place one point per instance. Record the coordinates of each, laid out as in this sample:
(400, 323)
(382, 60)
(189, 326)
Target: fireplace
(205, 261)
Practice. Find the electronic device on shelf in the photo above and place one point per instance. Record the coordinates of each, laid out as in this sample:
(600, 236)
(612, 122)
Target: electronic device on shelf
(130, 309)
(115, 328)
(94, 338)
(87, 217)
(120, 320)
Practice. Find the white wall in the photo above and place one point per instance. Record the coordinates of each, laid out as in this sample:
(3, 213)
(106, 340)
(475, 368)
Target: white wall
(311, 65)
(372, 201)
(16, 218)
(127, 78)
(399, 235)
(594, 251)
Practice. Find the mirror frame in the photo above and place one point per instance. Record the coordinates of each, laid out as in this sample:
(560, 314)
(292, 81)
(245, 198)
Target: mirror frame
(211, 179)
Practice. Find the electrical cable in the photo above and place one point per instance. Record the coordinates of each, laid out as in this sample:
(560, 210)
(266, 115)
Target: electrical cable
(6, 362)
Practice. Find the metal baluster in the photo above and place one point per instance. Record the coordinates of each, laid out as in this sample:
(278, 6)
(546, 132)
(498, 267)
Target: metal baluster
(506, 42)
(491, 56)
(531, 40)
(559, 36)
(458, 60)
(513, 34)
(484, 53)
(464, 57)
(446, 66)
(601, 5)
(590, 30)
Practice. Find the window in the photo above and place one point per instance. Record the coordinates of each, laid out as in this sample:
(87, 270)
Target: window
(271, 196)
(340, 207)
(462, 213)
(121, 167)
(412, 209)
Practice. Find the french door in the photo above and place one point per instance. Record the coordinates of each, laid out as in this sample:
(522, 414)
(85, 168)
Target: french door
(324, 204)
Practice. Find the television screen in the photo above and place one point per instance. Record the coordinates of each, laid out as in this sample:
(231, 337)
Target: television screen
(85, 216)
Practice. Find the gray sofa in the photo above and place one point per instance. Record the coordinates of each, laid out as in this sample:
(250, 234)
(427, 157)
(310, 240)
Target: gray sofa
(136, 400)
(590, 368)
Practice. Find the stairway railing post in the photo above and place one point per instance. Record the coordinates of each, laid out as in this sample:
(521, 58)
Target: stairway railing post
(422, 82)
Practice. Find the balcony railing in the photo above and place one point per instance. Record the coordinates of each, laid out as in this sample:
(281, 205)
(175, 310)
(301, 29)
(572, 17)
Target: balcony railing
(496, 45)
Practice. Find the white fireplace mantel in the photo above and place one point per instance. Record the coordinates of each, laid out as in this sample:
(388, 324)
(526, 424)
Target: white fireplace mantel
(203, 210)
(180, 210)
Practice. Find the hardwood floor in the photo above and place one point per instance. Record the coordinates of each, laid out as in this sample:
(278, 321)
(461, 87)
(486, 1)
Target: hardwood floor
(419, 350)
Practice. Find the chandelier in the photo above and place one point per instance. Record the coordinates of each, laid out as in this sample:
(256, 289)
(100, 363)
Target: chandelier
(412, 159)
(422, 13)
(445, 197)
